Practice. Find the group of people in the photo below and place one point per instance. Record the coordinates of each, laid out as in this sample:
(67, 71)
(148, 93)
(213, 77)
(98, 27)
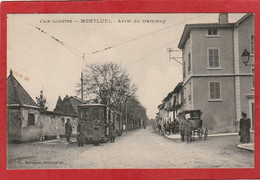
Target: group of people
(96, 132)
(169, 127)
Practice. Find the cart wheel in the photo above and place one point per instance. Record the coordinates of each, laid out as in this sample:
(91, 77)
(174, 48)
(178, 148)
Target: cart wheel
(206, 133)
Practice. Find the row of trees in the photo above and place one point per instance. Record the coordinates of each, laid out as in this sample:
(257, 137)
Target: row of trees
(110, 84)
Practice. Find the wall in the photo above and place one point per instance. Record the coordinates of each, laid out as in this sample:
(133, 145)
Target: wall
(14, 124)
(54, 124)
(30, 132)
(245, 30)
(200, 44)
(218, 115)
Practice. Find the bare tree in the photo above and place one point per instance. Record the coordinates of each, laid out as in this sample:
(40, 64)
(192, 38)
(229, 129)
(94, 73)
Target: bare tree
(109, 83)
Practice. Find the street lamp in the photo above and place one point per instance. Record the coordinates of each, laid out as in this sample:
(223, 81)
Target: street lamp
(245, 57)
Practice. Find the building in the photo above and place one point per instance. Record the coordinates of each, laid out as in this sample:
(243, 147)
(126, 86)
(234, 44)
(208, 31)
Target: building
(68, 105)
(215, 80)
(22, 113)
(26, 121)
(171, 105)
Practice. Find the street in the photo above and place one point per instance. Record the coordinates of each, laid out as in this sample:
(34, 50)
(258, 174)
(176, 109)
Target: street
(141, 148)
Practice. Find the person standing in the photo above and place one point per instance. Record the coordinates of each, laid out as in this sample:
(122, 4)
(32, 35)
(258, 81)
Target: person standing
(80, 135)
(96, 132)
(159, 128)
(244, 126)
(68, 130)
(112, 133)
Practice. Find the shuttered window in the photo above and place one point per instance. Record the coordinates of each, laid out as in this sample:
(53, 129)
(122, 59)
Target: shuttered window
(213, 57)
(252, 44)
(214, 90)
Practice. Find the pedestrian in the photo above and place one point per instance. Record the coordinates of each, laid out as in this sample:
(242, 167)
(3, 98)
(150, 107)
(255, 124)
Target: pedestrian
(159, 128)
(244, 126)
(96, 132)
(144, 124)
(168, 127)
(80, 135)
(68, 130)
(111, 130)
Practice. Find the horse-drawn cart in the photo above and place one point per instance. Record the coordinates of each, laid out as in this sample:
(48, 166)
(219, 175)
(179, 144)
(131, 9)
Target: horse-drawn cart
(191, 124)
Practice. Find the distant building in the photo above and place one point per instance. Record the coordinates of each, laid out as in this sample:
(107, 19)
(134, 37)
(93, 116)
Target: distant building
(171, 105)
(26, 121)
(215, 80)
(68, 105)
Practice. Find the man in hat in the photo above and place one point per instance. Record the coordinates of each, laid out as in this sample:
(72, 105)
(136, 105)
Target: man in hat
(112, 133)
(80, 135)
(244, 127)
(68, 130)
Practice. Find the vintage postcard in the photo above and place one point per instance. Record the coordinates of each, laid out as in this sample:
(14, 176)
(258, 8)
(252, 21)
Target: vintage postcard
(130, 90)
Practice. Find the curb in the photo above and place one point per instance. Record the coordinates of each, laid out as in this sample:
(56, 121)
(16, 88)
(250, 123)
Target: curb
(247, 147)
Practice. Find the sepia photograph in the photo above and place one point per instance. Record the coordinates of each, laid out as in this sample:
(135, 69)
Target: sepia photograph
(130, 90)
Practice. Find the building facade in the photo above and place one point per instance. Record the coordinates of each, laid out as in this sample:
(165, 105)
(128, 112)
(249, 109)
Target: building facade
(26, 121)
(215, 80)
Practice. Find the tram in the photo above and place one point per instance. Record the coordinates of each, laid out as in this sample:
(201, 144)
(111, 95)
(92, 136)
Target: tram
(88, 113)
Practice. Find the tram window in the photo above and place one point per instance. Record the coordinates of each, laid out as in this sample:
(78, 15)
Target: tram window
(82, 113)
(101, 114)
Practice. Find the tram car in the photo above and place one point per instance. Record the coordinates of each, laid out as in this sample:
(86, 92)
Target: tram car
(190, 124)
(88, 113)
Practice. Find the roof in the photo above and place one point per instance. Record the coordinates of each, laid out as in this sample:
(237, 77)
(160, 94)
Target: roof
(243, 18)
(176, 89)
(17, 95)
(68, 106)
(83, 105)
(188, 28)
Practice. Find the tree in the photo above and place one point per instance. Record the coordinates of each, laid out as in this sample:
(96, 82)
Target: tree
(109, 83)
(41, 101)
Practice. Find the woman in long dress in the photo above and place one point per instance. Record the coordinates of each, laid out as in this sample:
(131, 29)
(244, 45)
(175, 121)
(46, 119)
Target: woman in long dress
(244, 126)
(96, 132)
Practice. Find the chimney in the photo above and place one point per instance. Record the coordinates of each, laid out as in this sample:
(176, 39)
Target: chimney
(223, 18)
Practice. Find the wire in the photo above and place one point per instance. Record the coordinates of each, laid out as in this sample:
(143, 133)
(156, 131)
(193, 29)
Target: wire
(139, 37)
(70, 48)
(149, 55)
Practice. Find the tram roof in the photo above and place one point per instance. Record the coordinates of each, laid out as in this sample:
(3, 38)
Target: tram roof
(84, 105)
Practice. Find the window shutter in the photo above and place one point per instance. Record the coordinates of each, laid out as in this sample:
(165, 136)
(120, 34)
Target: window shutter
(211, 58)
(211, 90)
(216, 58)
(217, 86)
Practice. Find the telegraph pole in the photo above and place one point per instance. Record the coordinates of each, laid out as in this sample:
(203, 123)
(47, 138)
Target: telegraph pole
(81, 80)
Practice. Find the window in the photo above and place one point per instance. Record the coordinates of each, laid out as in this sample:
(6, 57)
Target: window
(253, 77)
(184, 100)
(184, 70)
(31, 120)
(189, 61)
(252, 44)
(214, 90)
(190, 92)
(213, 32)
(213, 57)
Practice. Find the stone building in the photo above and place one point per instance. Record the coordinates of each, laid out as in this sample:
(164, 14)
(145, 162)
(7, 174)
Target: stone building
(215, 79)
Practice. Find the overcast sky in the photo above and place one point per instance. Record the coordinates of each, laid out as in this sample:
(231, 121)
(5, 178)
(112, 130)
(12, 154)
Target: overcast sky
(38, 61)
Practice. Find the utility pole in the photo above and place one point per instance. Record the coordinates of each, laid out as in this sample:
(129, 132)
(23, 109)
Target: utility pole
(81, 79)
(81, 83)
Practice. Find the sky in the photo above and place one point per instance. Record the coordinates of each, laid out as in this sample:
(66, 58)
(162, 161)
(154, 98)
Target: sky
(40, 62)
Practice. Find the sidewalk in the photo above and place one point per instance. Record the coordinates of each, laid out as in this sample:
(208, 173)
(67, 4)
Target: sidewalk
(58, 141)
(178, 136)
(248, 146)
